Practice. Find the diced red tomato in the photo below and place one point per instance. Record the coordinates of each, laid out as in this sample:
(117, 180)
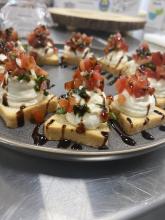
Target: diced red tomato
(69, 85)
(121, 99)
(137, 85)
(157, 58)
(120, 84)
(104, 116)
(116, 42)
(1, 77)
(63, 103)
(38, 117)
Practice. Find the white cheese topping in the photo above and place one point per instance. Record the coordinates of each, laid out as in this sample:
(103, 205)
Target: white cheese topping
(119, 60)
(3, 57)
(80, 54)
(21, 92)
(43, 51)
(2, 69)
(135, 107)
(91, 119)
(159, 86)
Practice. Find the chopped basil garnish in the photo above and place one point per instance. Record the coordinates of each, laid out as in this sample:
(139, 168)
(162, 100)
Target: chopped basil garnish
(81, 92)
(46, 93)
(13, 56)
(143, 52)
(80, 109)
(24, 76)
(25, 46)
(112, 115)
(150, 65)
(60, 111)
(101, 105)
(38, 82)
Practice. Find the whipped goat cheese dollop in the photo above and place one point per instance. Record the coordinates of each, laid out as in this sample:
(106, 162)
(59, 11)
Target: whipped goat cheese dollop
(159, 86)
(95, 104)
(135, 107)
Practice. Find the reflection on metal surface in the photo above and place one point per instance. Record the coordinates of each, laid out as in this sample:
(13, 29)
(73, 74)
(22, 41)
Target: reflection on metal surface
(38, 189)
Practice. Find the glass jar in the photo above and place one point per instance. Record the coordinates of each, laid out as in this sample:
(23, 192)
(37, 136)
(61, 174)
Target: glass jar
(24, 15)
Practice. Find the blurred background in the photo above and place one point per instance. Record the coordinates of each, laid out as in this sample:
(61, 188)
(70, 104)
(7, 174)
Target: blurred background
(32, 11)
(154, 10)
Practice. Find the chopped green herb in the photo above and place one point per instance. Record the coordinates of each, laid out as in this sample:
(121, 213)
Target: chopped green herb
(112, 115)
(38, 82)
(60, 111)
(150, 65)
(81, 92)
(143, 52)
(37, 88)
(46, 93)
(80, 109)
(25, 77)
(101, 105)
(25, 46)
(13, 56)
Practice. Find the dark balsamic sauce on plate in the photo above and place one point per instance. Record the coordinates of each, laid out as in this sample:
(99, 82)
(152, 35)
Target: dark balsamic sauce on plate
(113, 81)
(63, 64)
(147, 135)
(109, 76)
(126, 139)
(64, 144)
(162, 128)
(76, 146)
(20, 117)
(39, 139)
(105, 135)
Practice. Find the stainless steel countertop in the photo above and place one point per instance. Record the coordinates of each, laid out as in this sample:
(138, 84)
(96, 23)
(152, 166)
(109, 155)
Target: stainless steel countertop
(39, 189)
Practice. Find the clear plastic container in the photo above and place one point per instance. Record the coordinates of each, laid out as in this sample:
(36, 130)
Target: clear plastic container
(24, 15)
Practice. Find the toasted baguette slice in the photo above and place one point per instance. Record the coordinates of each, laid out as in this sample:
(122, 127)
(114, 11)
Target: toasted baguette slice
(51, 60)
(132, 125)
(106, 67)
(14, 118)
(57, 128)
(160, 102)
(70, 59)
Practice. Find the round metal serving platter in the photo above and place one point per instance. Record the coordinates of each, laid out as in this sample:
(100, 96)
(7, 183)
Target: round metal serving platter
(20, 139)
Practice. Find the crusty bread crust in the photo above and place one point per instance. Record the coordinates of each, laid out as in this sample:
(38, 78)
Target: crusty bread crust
(139, 124)
(108, 68)
(160, 102)
(10, 115)
(70, 59)
(57, 128)
(51, 60)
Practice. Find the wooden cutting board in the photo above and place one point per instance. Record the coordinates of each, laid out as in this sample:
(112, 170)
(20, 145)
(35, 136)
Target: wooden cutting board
(96, 20)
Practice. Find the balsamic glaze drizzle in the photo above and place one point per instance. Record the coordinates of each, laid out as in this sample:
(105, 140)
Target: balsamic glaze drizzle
(113, 81)
(39, 139)
(159, 113)
(20, 117)
(62, 63)
(64, 144)
(105, 134)
(147, 135)
(123, 136)
(4, 100)
(146, 121)
(76, 147)
(103, 73)
(130, 121)
(74, 67)
(109, 76)
(162, 128)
